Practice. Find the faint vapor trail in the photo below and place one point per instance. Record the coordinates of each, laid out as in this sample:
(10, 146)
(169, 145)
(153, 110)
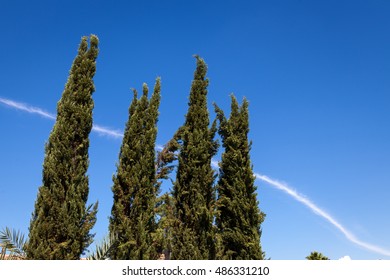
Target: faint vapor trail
(107, 131)
(27, 108)
(38, 111)
(305, 201)
(317, 210)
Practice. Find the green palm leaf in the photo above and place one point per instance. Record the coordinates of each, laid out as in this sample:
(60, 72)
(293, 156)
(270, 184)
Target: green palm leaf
(103, 249)
(12, 244)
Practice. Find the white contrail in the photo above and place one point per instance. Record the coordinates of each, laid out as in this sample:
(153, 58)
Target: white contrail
(27, 108)
(274, 183)
(107, 131)
(320, 212)
(317, 210)
(38, 111)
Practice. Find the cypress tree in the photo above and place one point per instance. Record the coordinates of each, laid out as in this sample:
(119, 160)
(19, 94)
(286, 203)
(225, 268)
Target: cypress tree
(61, 221)
(193, 192)
(238, 216)
(132, 220)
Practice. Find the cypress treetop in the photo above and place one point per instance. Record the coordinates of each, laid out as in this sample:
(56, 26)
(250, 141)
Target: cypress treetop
(132, 220)
(61, 220)
(193, 192)
(238, 216)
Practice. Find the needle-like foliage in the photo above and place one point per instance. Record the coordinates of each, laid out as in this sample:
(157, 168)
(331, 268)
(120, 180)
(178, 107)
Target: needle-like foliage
(61, 222)
(238, 216)
(193, 193)
(135, 187)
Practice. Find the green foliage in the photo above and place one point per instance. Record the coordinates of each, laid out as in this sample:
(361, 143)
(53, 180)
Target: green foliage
(12, 245)
(165, 205)
(238, 216)
(135, 186)
(61, 220)
(316, 256)
(193, 192)
(163, 236)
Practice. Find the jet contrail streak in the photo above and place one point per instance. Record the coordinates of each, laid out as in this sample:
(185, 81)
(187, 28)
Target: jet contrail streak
(107, 131)
(274, 183)
(34, 110)
(317, 210)
(27, 108)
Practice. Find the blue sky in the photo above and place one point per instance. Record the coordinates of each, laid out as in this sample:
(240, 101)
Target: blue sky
(316, 74)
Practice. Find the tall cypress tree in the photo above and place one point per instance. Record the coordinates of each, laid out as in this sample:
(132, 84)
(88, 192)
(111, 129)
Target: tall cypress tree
(132, 220)
(193, 192)
(61, 221)
(238, 216)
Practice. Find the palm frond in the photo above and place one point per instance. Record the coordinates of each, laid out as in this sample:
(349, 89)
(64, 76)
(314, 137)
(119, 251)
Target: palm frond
(12, 244)
(103, 249)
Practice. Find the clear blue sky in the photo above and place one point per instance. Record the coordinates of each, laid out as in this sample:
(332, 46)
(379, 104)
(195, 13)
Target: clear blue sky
(316, 73)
